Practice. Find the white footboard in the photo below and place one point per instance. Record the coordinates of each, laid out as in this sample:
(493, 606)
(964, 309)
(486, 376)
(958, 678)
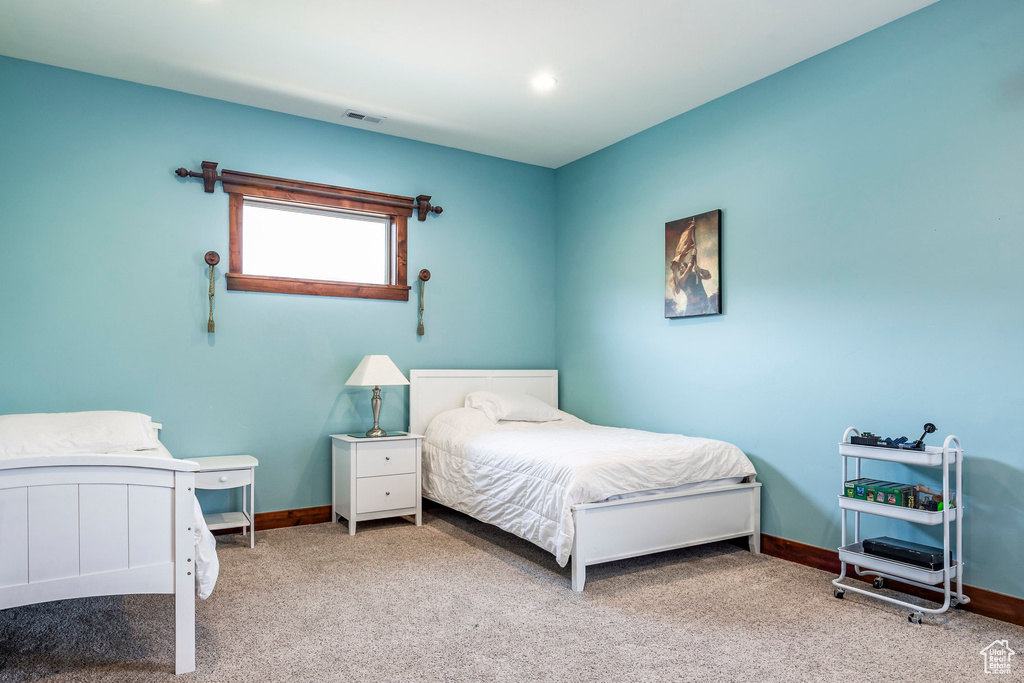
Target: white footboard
(639, 526)
(76, 526)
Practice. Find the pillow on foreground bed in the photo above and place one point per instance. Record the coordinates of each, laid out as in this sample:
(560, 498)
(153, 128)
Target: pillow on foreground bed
(97, 431)
(519, 407)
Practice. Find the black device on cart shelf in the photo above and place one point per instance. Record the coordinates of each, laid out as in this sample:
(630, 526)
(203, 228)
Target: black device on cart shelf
(869, 439)
(904, 551)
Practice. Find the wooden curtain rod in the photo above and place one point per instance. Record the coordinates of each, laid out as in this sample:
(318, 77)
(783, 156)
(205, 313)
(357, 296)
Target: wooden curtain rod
(211, 177)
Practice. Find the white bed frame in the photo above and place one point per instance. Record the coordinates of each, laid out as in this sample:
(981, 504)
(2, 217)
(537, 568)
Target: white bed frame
(74, 526)
(611, 530)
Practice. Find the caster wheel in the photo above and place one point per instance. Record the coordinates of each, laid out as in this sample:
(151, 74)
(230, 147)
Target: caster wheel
(838, 593)
(879, 582)
(915, 618)
(954, 603)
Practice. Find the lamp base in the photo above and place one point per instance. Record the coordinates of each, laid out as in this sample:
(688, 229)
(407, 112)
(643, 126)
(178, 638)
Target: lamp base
(375, 402)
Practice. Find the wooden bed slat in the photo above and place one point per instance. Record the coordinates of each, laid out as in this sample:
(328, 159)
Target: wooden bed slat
(103, 511)
(86, 474)
(149, 543)
(52, 532)
(13, 536)
(157, 578)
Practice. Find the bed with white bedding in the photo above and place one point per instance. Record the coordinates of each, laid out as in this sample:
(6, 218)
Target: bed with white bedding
(93, 504)
(592, 493)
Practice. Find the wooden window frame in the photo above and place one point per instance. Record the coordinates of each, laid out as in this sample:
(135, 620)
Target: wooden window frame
(240, 185)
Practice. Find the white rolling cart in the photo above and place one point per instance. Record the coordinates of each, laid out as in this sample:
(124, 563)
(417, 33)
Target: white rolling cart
(852, 553)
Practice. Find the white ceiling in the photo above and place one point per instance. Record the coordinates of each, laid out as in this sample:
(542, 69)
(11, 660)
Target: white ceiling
(451, 72)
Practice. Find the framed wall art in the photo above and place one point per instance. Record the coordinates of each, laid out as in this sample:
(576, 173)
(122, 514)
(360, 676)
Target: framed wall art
(693, 265)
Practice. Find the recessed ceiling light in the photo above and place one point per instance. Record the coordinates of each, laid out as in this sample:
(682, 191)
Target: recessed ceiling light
(544, 82)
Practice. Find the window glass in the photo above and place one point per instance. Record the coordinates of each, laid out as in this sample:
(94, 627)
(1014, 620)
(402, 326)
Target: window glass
(305, 242)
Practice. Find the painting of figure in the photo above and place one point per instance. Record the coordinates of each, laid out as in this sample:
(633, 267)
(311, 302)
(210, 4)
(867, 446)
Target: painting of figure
(693, 259)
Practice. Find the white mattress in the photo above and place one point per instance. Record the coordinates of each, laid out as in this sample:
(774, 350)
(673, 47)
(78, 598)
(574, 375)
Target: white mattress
(525, 477)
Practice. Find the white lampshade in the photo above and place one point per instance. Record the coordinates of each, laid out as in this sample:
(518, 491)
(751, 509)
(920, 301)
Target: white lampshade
(375, 371)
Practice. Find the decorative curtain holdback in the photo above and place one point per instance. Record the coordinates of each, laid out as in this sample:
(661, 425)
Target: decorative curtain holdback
(212, 258)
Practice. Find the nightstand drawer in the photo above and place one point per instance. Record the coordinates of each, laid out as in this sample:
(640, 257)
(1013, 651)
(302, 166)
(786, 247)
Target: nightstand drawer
(386, 457)
(224, 479)
(386, 493)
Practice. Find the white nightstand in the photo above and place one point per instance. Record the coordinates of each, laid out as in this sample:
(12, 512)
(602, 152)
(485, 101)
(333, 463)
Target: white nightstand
(373, 478)
(228, 472)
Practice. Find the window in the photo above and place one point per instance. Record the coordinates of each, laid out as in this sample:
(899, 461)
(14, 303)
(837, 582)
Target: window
(305, 238)
(307, 242)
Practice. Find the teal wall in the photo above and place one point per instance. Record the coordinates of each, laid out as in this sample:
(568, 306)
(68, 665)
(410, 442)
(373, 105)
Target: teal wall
(103, 286)
(873, 202)
(873, 222)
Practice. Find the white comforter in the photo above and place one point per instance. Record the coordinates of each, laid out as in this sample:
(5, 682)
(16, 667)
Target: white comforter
(525, 477)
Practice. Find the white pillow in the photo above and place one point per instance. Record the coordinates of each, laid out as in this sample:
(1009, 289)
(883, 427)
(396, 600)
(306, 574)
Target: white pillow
(98, 431)
(520, 407)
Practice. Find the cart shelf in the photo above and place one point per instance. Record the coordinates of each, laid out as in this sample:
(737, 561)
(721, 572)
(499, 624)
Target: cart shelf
(897, 512)
(931, 456)
(854, 554)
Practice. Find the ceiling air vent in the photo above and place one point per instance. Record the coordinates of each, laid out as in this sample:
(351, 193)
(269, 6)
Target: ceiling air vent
(365, 118)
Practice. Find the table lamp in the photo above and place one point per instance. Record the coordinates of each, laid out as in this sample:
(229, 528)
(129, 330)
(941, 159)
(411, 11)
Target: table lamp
(374, 371)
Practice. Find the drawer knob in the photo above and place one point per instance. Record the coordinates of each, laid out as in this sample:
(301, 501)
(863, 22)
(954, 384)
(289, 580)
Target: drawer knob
(387, 493)
(224, 478)
(387, 457)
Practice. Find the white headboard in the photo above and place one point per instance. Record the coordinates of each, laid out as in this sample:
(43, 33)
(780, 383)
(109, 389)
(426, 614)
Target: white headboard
(434, 391)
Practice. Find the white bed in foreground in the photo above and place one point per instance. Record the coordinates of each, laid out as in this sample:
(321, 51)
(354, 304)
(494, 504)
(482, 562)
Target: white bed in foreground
(495, 478)
(87, 524)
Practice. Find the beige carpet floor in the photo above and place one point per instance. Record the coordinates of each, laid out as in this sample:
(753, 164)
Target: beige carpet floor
(457, 600)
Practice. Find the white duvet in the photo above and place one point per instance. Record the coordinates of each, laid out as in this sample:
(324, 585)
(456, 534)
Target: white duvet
(525, 477)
